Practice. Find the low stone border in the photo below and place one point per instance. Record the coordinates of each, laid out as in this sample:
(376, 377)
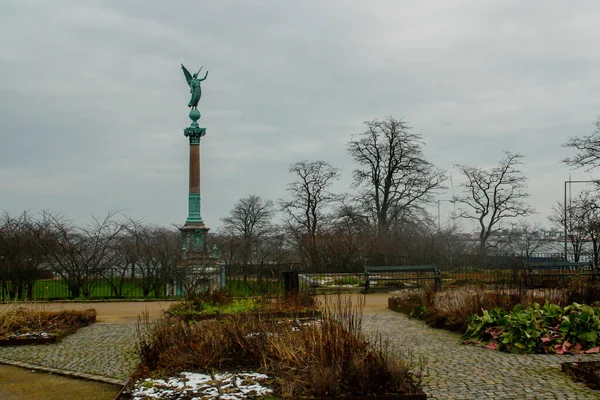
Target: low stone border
(591, 380)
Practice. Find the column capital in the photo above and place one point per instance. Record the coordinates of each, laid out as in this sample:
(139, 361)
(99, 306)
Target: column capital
(194, 133)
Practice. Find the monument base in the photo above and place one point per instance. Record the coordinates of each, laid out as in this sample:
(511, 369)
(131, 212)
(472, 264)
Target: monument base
(199, 269)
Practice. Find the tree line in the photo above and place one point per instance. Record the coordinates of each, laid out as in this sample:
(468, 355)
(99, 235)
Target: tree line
(384, 219)
(112, 250)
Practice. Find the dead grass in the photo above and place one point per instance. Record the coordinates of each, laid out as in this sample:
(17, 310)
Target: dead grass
(305, 358)
(21, 319)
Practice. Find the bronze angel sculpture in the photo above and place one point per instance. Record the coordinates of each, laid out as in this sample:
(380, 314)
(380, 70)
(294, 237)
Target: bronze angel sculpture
(194, 83)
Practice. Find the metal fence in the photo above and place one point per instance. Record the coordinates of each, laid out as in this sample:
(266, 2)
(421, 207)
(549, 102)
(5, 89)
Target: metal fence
(267, 280)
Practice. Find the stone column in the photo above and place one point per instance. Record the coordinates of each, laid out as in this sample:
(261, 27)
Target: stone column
(194, 231)
(194, 208)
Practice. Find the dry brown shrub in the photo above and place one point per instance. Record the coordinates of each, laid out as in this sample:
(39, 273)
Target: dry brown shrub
(583, 289)
(325, 358)
(19, 318)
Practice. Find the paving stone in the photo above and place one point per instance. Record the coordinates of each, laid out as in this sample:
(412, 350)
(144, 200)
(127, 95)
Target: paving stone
(102, 349)
(452, 370)
(456, 371)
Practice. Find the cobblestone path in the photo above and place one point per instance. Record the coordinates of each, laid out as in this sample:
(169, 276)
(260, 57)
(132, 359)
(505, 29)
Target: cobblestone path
(452, 370)
(100, 349)
(456, 371)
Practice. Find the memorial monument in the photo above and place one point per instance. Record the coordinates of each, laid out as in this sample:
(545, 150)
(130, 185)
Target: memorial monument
(195, 245)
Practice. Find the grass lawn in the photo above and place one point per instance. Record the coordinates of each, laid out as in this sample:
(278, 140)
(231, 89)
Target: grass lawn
(54, 289)
(48, 289)
(251, 287)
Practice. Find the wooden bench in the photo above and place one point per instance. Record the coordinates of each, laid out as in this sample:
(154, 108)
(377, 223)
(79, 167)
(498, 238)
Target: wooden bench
(421, 271)
(557, 269)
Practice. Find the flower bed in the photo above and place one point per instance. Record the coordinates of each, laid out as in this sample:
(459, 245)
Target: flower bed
(507, 320)
(31, 325)
(327, 358)
(219, 304)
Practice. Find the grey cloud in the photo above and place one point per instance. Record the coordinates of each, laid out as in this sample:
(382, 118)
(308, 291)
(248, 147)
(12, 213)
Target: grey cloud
(92, 100)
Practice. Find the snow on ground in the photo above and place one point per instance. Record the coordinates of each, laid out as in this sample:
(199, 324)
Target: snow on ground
(189, 385)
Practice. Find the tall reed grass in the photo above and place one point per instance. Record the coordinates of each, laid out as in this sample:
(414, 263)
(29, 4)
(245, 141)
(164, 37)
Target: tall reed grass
(325, 357)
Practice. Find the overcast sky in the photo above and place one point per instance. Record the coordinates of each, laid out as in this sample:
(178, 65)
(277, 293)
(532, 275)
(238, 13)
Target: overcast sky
(93, 102)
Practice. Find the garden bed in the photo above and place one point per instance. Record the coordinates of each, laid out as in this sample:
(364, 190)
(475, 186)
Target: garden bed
(290, 358)
(220, 304)
(586, 372)
(516, 321)
(31, 325)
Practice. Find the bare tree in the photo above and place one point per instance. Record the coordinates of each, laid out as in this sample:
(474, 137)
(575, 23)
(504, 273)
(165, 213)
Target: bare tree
(310, 196)
(583, 223)
(573, 219)
(493, 196)
(344, 241)
(80, 255)
(196, 278)
(248, 222)
(393, 177)
(590, 205)
(588, 148)
(152, 253)
(21, 259)
(526, 238)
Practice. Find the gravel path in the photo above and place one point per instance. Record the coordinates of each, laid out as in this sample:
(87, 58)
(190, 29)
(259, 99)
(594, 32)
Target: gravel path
(100, 350)
(456, 371)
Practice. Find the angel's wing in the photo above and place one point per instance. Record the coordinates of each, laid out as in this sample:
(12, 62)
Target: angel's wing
(188, 76)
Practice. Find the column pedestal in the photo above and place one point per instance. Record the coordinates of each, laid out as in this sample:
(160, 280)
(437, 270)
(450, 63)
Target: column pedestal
(194, 232)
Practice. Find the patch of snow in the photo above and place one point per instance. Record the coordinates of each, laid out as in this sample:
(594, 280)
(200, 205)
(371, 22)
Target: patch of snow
(187, 385)
(29, 335)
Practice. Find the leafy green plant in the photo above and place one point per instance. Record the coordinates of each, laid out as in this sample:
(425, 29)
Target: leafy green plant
(538, 329)
(236, 307)
(418, 312)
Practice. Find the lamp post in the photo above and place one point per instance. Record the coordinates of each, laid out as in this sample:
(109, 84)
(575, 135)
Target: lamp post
(565, 210)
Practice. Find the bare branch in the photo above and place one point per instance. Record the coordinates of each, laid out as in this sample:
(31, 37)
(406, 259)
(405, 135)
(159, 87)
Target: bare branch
(393, 177)
(493, 196)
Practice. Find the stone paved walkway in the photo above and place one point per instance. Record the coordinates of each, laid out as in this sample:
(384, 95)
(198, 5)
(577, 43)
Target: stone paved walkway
(456, 371)
(453, 371)
(101, 349)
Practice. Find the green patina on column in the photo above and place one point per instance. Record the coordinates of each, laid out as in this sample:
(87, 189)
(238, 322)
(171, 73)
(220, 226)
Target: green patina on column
(194, 133)
(194, 215)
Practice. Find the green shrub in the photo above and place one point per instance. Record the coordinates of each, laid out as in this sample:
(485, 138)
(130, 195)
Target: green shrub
(538, 329)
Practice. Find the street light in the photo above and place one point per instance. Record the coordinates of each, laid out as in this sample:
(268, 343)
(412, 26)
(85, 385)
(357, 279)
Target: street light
(438, 202)
(565, 210)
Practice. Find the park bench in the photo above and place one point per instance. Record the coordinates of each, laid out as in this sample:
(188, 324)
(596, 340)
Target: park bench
(402, 273)
(557, 269)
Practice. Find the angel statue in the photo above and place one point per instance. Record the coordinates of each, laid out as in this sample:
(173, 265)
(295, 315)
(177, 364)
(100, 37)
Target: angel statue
(194, 83)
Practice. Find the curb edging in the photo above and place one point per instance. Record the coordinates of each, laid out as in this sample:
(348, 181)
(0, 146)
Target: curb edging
(68, 374)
